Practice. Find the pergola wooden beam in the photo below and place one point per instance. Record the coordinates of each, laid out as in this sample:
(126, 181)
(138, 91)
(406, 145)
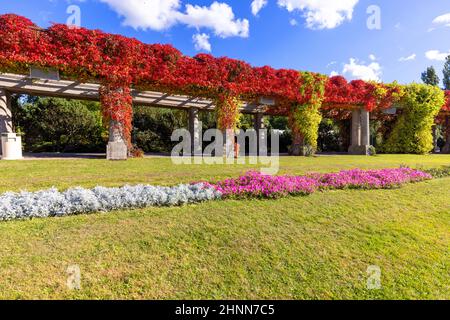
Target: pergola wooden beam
(89, 91)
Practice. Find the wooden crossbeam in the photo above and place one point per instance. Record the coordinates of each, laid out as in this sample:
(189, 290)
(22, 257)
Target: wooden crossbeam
(89, 91)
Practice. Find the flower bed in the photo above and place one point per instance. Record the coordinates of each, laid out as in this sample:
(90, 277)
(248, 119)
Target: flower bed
(254, 184)
(49, 203)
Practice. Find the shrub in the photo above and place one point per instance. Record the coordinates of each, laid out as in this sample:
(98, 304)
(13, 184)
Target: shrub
(48, 203)
(412, 131)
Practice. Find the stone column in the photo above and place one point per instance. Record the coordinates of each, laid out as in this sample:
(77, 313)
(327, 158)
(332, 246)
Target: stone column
(195, 130)
(365, 128)
(446, 148)
(5, 114)
(117, 147)
(297, 144)
(360, 132)
(356, 132)
(435, 139)
(260, 133)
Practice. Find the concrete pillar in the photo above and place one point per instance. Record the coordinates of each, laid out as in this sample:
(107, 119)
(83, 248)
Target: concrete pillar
(356, 132)
(297, 144)
(117, 147)
(360, 132)
(365, 127)
(195, 129)
(435, 140)
(446, 148)
(5, 114)
(260, 133)
(229, 140)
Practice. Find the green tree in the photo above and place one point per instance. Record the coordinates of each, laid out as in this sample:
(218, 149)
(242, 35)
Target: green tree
(59, 125)
(153, 127)
(430, 77)
(446, 73)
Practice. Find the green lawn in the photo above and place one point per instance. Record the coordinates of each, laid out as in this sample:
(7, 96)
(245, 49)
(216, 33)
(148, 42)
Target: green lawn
(311, 247)
(39, 174)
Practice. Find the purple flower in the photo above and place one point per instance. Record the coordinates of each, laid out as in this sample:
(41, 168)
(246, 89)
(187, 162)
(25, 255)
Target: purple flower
(256, 185)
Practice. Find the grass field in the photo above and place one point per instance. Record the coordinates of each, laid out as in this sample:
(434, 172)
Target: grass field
(39, 174)
(312, 247)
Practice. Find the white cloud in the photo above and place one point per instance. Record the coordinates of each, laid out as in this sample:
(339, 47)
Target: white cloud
(219, 17)
(356, 70)
(372, 57)
(163, 14)
(257, 5)
(293, 22)
(201, 42)
(322, 14)
(408, 58)
(443, 20)
(436, 55)
(152, 14)
(334, 73)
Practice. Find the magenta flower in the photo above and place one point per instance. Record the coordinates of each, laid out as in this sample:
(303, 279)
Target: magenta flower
(256, 185)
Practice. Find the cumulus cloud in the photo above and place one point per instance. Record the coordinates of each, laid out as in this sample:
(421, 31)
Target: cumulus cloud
(359, 70)
(219, 17)
(322, 14)
(443, 20)
(257, 5)
(408, 58)
(152, 14)
(162, 14)
(437, 55)
(201, 42)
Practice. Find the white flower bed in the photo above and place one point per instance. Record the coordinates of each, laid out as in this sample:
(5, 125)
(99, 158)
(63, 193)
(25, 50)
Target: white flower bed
(49, 203)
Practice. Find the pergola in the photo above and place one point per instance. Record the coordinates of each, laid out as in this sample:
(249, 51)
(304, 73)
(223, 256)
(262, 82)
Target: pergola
(45, 86)
(25, 84)
(119, 71)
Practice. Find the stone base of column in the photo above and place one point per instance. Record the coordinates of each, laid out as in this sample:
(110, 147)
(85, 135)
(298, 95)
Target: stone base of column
(446, 148)
(295, 149)
(117, 150)
(11, 146)
(360, 150)
(301, 150)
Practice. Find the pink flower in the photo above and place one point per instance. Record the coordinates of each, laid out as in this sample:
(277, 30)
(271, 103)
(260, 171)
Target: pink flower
(256, 185)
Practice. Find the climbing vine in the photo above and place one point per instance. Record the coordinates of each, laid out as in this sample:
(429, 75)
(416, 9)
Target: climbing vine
(120, 63)
(304, 119)
(227, 111)
(412, 131)
(117, 109)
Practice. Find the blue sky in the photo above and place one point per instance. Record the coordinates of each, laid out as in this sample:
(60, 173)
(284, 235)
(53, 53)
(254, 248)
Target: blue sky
(316, 35)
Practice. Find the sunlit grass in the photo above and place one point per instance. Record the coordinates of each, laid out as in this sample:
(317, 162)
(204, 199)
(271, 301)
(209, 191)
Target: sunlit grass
(311, 247)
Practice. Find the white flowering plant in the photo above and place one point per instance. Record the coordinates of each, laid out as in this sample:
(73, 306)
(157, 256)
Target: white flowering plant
(51, 202)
